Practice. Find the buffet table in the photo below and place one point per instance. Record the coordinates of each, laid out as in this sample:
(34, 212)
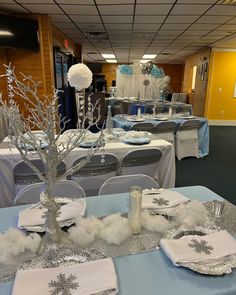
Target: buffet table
(120, 121)
(165, 168)
(149, 272)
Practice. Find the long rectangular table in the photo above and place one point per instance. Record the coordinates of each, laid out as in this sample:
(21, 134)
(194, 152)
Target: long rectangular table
(151, 272)
(120, 121)
(165, 171)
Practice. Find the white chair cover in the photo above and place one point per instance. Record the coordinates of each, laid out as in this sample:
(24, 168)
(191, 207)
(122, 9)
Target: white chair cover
(186, 139)
(94, 173)
(121, 184)
(145, 126)
(166, 130)
(24, 175)
(179, 97)
(3, 127)
(7, 192)
(64, 188)
(141, 161)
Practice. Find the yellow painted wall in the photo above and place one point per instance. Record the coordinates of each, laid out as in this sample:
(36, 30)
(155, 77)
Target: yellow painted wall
(222, 77)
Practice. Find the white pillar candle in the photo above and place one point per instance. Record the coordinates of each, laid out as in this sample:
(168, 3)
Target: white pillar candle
(139, 112)
(135, 207)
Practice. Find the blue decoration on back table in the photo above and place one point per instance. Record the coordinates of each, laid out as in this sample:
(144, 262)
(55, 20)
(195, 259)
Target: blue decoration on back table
(157, 72)
(126, 69)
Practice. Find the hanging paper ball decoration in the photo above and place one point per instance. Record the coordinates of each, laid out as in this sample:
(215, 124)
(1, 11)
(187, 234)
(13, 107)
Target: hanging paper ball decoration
(126, 69)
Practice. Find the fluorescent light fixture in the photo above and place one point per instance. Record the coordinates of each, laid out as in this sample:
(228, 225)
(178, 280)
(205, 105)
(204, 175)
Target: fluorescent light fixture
(143, 61)
(5, 33)
(149, 56)
(111, 61)
(105, 55)
(194, 75)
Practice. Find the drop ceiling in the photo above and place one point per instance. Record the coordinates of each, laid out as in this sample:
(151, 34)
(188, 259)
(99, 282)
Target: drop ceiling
(172, 29)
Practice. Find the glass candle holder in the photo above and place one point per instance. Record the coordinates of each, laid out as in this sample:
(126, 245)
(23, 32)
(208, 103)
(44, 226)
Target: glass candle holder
(217, 208)
(135, 206)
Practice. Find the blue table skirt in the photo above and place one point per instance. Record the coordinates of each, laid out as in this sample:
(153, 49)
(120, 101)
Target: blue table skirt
(151, 272)
(203, 132)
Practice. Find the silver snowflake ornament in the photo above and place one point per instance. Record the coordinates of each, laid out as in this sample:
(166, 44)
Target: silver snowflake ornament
(63, 285)
(160, 202)
(201, 246)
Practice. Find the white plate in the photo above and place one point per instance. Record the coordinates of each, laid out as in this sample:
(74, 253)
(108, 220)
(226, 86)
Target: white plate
(188, 117)
(136, 119)
(160, 119)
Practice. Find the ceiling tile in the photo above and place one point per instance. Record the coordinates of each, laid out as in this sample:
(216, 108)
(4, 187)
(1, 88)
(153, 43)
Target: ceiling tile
(65, 25)
(227, 27)
(33, 1)
(213, 19)
(222, 10)
(218, 33)
(12, 8)
(199, 27)
(169, 32)
(175, 26)
(150, 19)
(118, 26)
(181, 19)
(8, 1)
(91, 27)
(197, 1)
(44, 8)
(60, 18)
(80, 9)
(165, 37)
(116, 9)
(146, 27)
(232, 21)
(78, 2)
(190, 37)
(112, 19)
(85, 19)
(189, 9)
(155, 1)
(190, 32)
(114, 2)
(152, 9)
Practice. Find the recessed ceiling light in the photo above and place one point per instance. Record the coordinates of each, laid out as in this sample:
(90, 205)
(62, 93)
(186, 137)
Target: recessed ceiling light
(5, 33)
(111, 61)
(108, 55)
(149, 56)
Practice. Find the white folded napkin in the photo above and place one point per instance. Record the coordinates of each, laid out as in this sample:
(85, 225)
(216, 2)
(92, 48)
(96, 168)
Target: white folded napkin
(34, 217)
(166, 199)
(86, 278)
(199, 248)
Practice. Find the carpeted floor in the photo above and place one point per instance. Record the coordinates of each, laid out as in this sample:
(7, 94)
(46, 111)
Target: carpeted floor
(216, 171)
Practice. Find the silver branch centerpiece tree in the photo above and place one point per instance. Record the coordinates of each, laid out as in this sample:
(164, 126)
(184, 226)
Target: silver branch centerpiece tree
(43, 115)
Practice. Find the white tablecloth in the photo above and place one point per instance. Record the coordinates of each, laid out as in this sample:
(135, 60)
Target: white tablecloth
(165, 168)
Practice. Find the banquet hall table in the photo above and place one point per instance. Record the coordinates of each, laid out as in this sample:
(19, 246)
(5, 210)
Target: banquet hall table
(165, 171)
(149, 272)
(121, 121)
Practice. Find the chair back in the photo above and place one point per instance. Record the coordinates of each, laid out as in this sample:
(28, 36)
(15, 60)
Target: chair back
(141, 160)
(122, 184)
(144, 126)
(189, 125)
(164, 127)
(64, 188)
(6, 184)
(25, 175)
(95, 172)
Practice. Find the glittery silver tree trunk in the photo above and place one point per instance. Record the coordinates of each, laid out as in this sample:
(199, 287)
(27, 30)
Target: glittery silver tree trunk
(44, 116)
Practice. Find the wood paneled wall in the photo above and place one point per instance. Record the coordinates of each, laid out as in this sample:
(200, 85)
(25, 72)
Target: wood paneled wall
(198, 97)
(175, 71)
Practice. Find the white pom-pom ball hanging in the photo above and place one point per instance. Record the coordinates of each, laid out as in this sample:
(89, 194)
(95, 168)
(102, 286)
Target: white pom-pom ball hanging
(79, 76)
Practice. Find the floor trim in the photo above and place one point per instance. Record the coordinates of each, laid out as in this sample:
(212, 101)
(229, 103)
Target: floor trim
(222, 122)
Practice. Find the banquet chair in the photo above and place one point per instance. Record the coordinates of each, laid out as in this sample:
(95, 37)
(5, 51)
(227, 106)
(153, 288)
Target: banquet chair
(94, 173)
(186, 139)
(64, 188)
(25, 175)
(7, 194)
(144, 126)
(166, 130)
(143, 161)
(122, 184)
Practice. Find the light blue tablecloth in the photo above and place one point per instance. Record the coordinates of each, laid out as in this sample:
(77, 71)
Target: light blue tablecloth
(149, 273)
(119, 121)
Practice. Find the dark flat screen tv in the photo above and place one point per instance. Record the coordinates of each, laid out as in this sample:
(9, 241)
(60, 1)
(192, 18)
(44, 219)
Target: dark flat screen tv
(18, 32)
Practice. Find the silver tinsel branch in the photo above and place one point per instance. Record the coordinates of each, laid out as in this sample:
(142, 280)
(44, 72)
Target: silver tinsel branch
(43, 115)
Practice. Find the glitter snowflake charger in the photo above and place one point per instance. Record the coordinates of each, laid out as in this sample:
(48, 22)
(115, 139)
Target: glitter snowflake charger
(44, 116)
(63, 285)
